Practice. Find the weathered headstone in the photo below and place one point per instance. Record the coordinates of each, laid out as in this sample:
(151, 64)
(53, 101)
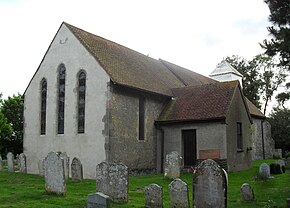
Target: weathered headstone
(54, 174)
(172, 165)
(1, 163)
(264, 171)
(22, 163)
(76, 170)
(10, 161)
(65, 158)
(179, 194)
(41, 167)
(209, 185)
(112, 180)
(247, 193)
(98, 200)
(17, 161)
(153, 196)
(282, 164)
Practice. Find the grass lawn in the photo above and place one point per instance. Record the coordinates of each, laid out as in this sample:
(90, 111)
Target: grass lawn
(25, 190)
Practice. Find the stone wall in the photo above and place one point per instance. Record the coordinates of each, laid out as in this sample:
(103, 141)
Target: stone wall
(124, 144)
(209, 136)
(257, 141)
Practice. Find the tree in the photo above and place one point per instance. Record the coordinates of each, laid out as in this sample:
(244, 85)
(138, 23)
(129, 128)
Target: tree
(284, 96)
(279, 120)
(12, 109)
(251, 81)
(261, 77)
(271, 76)
(279, 44)
(5, 134)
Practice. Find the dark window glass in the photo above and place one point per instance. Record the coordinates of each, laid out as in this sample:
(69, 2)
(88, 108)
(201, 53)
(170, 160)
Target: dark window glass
(239, 136)
(61, 99)
(141, 117)
(81, 102)
(43, 107)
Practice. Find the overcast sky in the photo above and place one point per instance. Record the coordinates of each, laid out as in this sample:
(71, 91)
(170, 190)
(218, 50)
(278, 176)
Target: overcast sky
(191, 33)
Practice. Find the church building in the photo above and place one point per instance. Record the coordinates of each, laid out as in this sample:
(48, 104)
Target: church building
(100, 101)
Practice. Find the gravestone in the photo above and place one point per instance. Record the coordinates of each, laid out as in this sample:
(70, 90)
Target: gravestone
(153, 196)
(22, 163)
(247, 193)
(209, 185)
(65, 158)
(1, 163)
(112, 180)
(282, 164)
(54, 174)
(98, 200)
(76, 170)
(264, 171)
(17, 161)
(41, 167)
(172, 165)
(178, 194)
(10, 161)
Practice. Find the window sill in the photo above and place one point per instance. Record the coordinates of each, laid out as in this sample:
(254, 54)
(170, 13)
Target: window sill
(240, 150)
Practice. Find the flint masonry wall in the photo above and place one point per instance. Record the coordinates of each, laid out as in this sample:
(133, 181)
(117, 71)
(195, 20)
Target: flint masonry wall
(124, 144)
(257, 137)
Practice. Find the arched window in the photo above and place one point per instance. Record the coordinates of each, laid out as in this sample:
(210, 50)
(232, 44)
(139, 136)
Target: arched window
(61, 99)
(81, 101)
(43, 107)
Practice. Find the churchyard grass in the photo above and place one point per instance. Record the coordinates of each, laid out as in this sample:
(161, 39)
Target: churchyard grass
(25, 190)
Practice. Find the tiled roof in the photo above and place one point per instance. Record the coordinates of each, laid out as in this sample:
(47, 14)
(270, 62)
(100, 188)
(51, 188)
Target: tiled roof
(133, 69)
(254, 111)
(200, 103)
(189, 78)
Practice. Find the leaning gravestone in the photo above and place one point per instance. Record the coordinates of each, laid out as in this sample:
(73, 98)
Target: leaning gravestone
(112, 180)
(65, 158)
(10, 161)
(153, 196)
(172, 165)
(98, 200)
(1, 163)
(76, 170)
(247, 193)
(264, 171)
(54, 174)
(22, 163)
(209, 185)
(178, 194)
(41, 167)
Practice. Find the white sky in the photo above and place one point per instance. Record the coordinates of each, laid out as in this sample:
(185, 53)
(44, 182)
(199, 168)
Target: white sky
(194, 34)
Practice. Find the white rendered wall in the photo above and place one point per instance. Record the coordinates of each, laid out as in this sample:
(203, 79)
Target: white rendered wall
(89, 146)
(227, 77)
(208, 136)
